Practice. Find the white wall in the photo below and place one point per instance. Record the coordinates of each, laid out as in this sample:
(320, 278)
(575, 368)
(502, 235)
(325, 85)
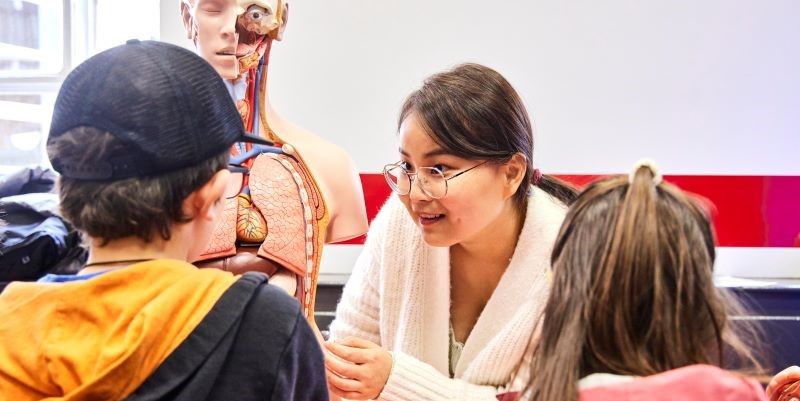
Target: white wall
(702, 86)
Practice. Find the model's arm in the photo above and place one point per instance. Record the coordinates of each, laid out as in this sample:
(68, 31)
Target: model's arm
(346, 203)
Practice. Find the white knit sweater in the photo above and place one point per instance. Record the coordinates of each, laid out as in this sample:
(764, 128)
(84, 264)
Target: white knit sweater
(399, 297)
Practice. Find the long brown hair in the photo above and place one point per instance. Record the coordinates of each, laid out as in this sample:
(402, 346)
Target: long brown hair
(632, 290)
(473, 112)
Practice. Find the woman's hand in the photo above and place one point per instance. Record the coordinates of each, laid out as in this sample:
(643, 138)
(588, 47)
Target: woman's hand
(357, 369)
(782, 381)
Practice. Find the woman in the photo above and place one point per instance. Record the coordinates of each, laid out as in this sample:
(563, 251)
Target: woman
(633, 296)
(452, 279)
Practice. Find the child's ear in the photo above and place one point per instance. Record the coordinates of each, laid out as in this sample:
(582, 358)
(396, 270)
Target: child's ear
(201, 204)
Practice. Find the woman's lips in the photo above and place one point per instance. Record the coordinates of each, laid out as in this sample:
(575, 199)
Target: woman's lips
(426, 219)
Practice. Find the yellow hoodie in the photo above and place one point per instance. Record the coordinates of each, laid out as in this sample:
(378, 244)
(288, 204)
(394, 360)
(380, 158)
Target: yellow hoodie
(100, 339)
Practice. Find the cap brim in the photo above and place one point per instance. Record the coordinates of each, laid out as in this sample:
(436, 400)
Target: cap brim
(250, 138)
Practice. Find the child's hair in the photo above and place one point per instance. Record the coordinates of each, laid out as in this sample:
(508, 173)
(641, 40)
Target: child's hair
(141, 206)
(632, 290)
(473, 112)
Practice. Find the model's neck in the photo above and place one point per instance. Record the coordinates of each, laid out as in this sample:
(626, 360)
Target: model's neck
(266, 111)
(271, 114)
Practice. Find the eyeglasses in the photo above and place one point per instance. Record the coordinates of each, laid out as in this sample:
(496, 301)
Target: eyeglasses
(431, 180)
(235, 181)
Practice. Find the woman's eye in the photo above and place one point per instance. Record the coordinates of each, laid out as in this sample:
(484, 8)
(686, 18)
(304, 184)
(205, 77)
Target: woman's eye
(441, 168)
(406, 166)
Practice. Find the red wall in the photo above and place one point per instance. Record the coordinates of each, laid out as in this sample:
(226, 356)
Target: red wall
(749, 211)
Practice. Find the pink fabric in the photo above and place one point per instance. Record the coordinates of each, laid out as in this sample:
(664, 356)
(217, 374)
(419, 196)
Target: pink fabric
(696, 382)
(514, 396)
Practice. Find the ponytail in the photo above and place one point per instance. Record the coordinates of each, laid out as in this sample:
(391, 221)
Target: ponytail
(632, 290)
(559, 189)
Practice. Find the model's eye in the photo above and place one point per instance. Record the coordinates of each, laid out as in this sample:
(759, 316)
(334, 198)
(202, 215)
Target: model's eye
(257, 13)
(212, 7)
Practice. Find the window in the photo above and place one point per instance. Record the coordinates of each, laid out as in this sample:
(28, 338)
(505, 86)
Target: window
(24, 121)
(40, 42)
(31, 37)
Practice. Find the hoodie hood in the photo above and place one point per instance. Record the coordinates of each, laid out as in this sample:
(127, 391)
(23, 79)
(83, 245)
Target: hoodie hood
(100, 338)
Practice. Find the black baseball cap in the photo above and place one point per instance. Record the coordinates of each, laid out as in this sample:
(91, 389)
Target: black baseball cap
(166, 104)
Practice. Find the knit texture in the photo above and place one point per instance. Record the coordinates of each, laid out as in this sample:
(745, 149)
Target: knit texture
(398, 296)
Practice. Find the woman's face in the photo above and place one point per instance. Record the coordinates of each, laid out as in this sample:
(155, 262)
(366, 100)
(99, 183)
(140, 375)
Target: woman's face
(474, 200)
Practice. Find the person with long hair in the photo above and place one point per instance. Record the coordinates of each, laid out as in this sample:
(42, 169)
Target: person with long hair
(452, 278)
(633, 296)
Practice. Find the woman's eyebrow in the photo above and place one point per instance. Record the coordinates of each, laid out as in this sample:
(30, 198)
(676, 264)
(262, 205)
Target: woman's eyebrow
(435, 152)
(438, 152)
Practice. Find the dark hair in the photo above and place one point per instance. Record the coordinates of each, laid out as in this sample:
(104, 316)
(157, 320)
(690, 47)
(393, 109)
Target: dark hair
(473, 112)
(141, 206)
(632, 290)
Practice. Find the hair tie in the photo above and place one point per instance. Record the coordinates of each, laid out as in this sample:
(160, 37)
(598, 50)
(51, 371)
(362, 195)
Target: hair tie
(537, 176)
(651, 165)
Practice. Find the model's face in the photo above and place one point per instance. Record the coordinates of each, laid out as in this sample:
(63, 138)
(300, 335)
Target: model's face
(259, 16)
(227, 30)
(213, 31)
(256, 20)
(474, 199)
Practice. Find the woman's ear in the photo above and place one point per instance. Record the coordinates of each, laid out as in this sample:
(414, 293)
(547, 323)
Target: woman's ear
(202, 203)
(513, 174)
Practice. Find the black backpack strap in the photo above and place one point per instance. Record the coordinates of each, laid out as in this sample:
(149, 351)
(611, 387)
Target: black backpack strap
(212, 334)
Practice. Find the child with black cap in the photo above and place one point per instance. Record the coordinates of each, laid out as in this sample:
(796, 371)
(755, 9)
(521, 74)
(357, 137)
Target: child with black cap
(141, 136)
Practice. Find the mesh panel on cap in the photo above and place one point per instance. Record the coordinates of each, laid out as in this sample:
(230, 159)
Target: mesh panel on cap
(168, 104)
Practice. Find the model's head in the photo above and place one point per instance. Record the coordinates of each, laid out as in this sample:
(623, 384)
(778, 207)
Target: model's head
(632, 291)
(459, 119)
(232, 33)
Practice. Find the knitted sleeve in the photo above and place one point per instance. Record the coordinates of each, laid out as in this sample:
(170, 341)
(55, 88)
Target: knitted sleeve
(412, 379)
(358, 315)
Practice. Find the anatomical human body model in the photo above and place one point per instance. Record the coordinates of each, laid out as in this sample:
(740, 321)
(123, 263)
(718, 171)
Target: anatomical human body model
(300, 193)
